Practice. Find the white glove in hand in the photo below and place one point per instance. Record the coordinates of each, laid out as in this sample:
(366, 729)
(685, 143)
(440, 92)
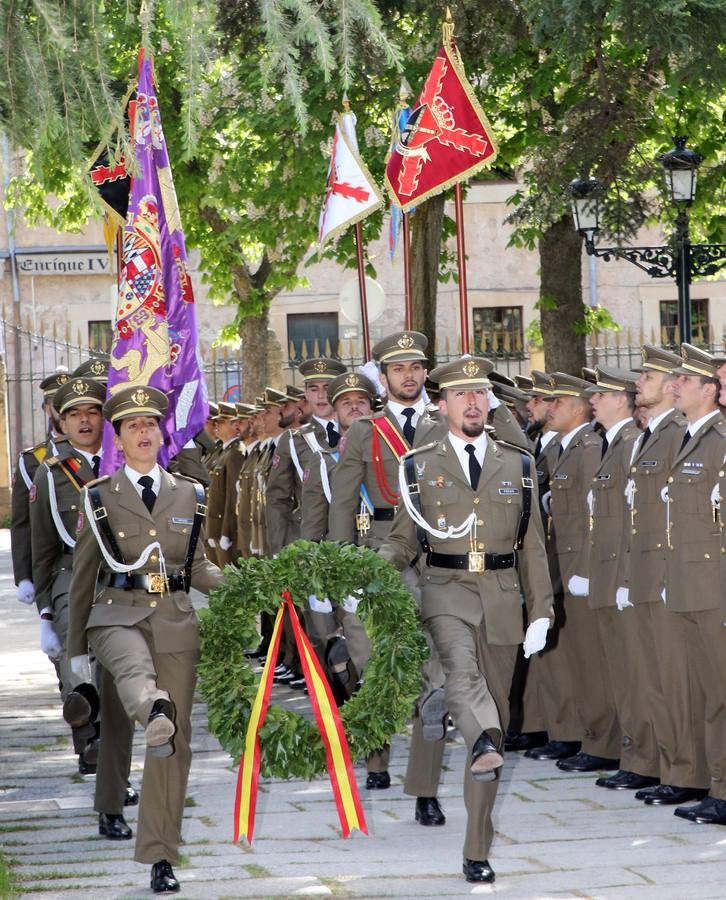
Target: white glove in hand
(663, 595)
(716, 496)
(81, 668)
(545, 501)
(350, 603)
(536, 637)
(224, 542)
(322, 606)
(26, 591)
(494, 401)
(211, 542)
(621, 598)
(49, 643)
(664, 494)
(578, 587)
(590, 500)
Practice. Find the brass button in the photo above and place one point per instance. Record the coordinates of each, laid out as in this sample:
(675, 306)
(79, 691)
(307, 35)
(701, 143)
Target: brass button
(184, 530)
(509, 501)
(480, 521)
(438, 503)
(659, 546)
(74, 507)
(721, 473)
(670, 479)
(613, 556)
(480, 546)
(707, 556)
(476, 501)
(154, 557)
(634, 531)
(109, 601)
(152, 604)
(633, 469)
(122, 534)
(152, 532)
(635, 512)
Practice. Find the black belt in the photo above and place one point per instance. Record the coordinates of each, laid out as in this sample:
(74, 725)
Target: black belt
(384, 513)
(153, 583)
(461, 560)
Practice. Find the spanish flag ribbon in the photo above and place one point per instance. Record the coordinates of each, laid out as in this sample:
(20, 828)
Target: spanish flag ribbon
(327, 717)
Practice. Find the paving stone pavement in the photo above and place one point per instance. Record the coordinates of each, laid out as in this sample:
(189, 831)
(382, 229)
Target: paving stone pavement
(558, 836)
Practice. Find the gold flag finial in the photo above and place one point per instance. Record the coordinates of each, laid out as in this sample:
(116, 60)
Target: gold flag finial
(448, 28)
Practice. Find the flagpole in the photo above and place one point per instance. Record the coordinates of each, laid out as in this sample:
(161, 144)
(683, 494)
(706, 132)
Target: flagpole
(362, 291)
(408, 299)
(461, 253)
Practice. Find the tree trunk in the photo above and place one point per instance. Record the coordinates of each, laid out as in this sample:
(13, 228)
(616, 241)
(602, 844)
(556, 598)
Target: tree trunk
(253, 331)
(426, 225)
(561, 308)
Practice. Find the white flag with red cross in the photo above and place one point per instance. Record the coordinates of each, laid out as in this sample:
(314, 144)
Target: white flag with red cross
(350, 194)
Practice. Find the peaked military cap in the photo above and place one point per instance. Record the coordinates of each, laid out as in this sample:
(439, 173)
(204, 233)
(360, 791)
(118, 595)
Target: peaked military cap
(695, 361)
(77, 391)
(245, 410)
(135, 401)
(589, 374)
(320, 369)
(656, 359)
(293, 392)
(403, 346)
(498, 378)
(272, 397)
(50, 384)
(509, 394)
(351, 381)
(524, 382)
(564, 385)
(541, 385)
(612, 381)
(97, 367)
(227, 411)
(468, 372)
(213, 409)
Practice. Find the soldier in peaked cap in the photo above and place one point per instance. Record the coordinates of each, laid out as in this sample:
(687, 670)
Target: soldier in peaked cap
(97, 368)
(472, 496)
(227, 424)
(505, 425)
(362, 510)
(140, 533)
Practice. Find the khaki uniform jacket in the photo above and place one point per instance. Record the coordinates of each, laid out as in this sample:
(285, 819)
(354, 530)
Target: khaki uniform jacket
(609, 534)
(644, 570)
(173, 620)
(507, 428)
(544, 463)
(493, 595)
(356, 468)
(52, 557)
(20, 545)
(315, 504)
(219, 491)
(692, 560)
(258, 505)
(233, 465)
(189, 462)
(570, 480)
(244, 499)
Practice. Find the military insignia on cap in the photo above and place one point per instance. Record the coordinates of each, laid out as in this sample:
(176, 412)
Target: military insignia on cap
(61, 378)
(140, 397)
(405, 342)
(98, 368)
(351, 380)
(471, 369)
(80, 388)
(319, 366)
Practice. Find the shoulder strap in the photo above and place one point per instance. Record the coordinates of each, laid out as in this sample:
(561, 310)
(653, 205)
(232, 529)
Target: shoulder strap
(101, 517)
(526, 501)
(294, 457)
(414, 496)
(55, 512)
(200, 511)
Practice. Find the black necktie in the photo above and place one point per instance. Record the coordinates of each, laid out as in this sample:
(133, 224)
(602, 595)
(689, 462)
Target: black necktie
(474, 467)
(686, 438)
(538, 447)
(560, 451)
(646, 434)
(96, 465)
(604, 446)
(409, 432)
(147, 494)
(333, 435)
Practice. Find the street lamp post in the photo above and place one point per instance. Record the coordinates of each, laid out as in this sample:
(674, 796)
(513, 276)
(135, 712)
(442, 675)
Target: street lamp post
(680, 259)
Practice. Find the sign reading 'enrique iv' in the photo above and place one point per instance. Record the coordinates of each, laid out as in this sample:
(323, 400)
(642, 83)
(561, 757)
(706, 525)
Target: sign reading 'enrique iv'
(78, 263)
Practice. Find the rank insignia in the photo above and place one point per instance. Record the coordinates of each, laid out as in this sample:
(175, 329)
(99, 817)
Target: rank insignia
(306, 474)
(33, 493)
(420, 469)
(441, 523)
(80, 522)
(440, 482)
(275, 461)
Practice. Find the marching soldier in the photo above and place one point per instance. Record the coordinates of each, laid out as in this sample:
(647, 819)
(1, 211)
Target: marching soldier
(140, 531)
(362, 508)
(472, 496)
(228, 433)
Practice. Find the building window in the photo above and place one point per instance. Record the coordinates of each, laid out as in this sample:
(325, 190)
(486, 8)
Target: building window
(99, 335)
(498, 330)
(312, 334)
(670, 332)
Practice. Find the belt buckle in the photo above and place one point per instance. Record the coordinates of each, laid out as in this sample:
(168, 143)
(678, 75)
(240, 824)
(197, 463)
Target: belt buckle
(527, 483)
(477, 562)
(157, 583)
(363, 523)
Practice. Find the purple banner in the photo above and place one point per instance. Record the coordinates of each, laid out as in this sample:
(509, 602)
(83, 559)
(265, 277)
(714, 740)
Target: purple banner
(155, 335)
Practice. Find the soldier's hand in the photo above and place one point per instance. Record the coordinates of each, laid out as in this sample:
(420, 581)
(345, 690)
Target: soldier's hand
(26, 591)
(321, 606)
(49, 642)
(536, 637)
(545, 501)
(578, 587)
(621, 598)
(211, 542)
(81, 668)
(224, 542)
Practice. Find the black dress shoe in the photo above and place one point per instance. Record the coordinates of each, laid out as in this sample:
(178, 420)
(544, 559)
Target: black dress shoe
(132, 795)
(81, 706)
(524, 741)
(428, 811)
(434, 712)
(474, 870)
(378, 781)
(554, 750)
(85, 767)
(627, 781)
(259, 651)
(285, 677)
(586, 762)
(710, 811)
(162, 878)
(670, 795)
(337, 659)
(298, 683)
(113, 827)
(160, 729)
(485, 759)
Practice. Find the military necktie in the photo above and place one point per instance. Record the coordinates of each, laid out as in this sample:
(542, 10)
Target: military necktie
(409, 432)
(686, 438)
(96, 465)
(333, 435)
(538, 447)
(646, 434)
(147, 494)
(605, 446)
(474, 467)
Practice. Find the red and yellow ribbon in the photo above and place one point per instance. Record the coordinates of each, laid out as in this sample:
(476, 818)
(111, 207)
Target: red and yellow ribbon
(327, 717)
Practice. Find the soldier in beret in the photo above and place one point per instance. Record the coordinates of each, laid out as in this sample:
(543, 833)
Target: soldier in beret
(140, 534)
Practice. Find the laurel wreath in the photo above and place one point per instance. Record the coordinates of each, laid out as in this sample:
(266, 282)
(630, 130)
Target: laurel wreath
(290, 746)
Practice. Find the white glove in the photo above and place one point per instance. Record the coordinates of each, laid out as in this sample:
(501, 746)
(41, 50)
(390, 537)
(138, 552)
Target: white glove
(716, 497)
(621, 598)
(322, 606)
(81, 668)
(494, 401)
(211, 542)
(49, 643)
(663, 595)
(371, 371)
(26, 591)
(545, 501)
(224, 542)
(350, 603)
(536, 637)
(630, 492)
(590, 502)
(664, 494)
(578, 587)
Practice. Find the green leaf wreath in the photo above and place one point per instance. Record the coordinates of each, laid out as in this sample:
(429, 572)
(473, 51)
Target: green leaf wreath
(290, 745)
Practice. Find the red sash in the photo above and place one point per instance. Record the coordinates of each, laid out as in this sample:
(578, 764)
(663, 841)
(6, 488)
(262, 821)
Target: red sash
(397, 444)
